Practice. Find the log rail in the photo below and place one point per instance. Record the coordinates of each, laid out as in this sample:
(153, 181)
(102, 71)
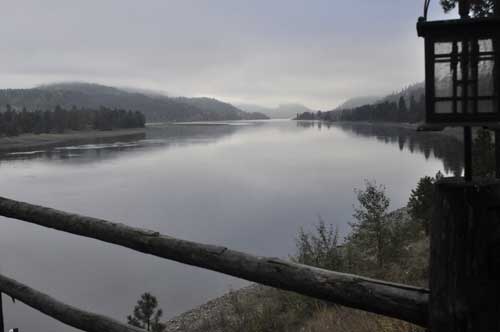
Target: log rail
(64, 313)
(390, 299)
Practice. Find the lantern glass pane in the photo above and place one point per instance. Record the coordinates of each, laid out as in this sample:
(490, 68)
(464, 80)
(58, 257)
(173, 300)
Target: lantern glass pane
(459, 73)
(443, 48)
(485, 78)
(486, 106)
(443, 79)
(443, 107)
(485, 45)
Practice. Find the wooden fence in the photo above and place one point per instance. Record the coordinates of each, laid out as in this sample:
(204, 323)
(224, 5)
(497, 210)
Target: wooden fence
(394, 300)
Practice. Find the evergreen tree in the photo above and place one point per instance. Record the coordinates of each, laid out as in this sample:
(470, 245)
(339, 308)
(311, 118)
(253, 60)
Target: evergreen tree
(47, 121)
(402, 110)
(413, 110)
(60, 119)
(480, 8)
(421, 201)
(145, 315)
(370, 231)
(421, 109)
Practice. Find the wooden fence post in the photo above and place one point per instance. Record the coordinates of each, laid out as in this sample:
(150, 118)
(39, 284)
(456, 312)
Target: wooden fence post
(465, 257)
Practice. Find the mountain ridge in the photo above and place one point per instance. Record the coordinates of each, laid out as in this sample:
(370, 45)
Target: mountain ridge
(155, 106)
(357, 101)
(282, 111)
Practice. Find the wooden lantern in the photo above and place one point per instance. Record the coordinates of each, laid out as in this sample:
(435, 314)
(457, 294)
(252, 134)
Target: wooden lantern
(462, 71)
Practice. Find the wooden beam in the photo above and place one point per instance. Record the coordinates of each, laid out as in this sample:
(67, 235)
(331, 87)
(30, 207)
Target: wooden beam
(390, 299)
(64, 313)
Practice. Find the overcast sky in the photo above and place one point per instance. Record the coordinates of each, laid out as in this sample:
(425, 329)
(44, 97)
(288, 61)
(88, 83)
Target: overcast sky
(315, 52)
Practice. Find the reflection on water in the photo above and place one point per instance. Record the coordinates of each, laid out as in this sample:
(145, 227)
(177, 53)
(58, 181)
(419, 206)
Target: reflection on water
(446, 148)
(156, 136)
(248, 187)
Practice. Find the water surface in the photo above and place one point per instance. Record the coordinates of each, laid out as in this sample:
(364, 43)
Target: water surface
(246, 185)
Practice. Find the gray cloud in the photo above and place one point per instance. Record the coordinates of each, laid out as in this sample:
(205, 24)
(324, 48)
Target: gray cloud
(315, 52)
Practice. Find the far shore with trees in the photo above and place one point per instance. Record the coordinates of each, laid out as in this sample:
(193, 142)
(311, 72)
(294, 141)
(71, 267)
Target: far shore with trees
(401, 112)
(60, 120)
(24, 130)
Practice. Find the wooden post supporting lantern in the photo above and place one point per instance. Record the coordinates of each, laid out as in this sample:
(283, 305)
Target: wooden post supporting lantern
(462, 89)
(465, 257)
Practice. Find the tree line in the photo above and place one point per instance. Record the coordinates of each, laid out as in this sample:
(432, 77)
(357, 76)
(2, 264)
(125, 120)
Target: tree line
(380, 243)
(413, 111)
(60, 120)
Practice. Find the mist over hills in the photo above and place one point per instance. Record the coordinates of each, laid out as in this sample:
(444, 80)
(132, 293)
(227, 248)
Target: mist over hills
(415, 90)
(358, 101)
(283, 111)
(406, 105)
(155, 106)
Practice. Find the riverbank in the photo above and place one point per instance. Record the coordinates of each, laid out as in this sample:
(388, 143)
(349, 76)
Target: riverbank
(28, 142)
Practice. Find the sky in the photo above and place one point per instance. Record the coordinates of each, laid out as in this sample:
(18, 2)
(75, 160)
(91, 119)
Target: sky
(267, 52)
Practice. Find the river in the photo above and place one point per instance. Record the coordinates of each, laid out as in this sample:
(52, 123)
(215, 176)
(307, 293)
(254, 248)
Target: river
(246, 185)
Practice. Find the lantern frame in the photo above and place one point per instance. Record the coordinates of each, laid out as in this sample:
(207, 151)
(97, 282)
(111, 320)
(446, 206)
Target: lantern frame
(463, 32)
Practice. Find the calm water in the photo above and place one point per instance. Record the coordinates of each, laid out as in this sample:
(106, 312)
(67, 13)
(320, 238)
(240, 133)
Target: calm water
(249, 186)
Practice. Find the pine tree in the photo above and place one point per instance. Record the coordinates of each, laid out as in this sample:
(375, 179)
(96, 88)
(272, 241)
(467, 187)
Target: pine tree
(370, 231)
(480, 8)
(146, 316)
(413, 109)
(421, 201)
(402, 110)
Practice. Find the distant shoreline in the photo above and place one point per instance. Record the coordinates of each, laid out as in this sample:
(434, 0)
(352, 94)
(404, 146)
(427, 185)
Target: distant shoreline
(452, 132)
(26, 142)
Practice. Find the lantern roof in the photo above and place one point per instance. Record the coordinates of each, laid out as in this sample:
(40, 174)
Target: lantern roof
(458, 27)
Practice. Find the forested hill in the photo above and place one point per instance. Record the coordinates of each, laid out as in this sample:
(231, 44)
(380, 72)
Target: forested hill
(357, 101)
(408, 105)
(155, 107)
(60, 120)
(282, 111)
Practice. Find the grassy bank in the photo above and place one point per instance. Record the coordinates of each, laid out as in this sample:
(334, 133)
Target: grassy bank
(28, 142)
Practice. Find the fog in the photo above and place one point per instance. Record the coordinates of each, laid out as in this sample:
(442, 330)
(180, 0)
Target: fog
(318, 53)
